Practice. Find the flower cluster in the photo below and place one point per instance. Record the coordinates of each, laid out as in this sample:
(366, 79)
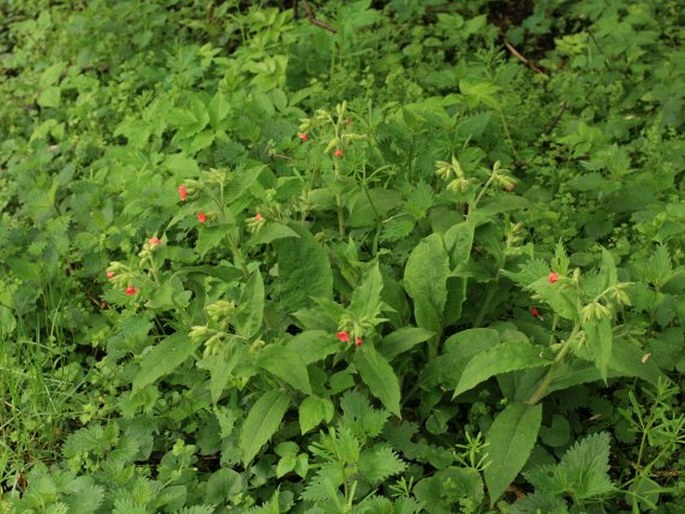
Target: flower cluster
(344, 337)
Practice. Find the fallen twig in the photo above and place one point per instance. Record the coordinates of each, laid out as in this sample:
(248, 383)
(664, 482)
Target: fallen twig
(522, 58)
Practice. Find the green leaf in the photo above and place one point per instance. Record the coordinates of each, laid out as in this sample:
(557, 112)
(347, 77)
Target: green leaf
(425, 279)
(503, 358)
(218, 109)
(286, 365)
(250, 311)
(458, 242)
(402, 340)
(599, 337)
(313, 345)
(459, 349)
(314, 410)
(262, 422)
(366, 298)
(379, 376)
(379, 463)
(270, 232)
(50, 97)
(511, 439)
(162, 359)
(581, 473)
(486, 212)
(302, 261)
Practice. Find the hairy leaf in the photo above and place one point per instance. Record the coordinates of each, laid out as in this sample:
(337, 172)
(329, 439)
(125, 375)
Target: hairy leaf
(511, 439)
(262, 422)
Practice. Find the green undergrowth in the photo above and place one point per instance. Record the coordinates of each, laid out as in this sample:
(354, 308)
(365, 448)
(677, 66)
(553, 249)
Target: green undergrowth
(349, 257)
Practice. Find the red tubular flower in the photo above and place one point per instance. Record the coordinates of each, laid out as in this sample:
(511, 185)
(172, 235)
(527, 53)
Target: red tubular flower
(553, 277)
(258, 217)
(338, 153)
(110, 275)
(182, 193)
(343, 336)
(304, 137)
(154, 241)
(131, 291)
(201, 217)
(358, 342)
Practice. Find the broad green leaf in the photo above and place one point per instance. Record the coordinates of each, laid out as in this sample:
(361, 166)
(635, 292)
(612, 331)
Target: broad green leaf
(456, 296)
(425, 279)
(262, 422)
(286, 365)
(241, 182)
(220, 369)
(485, 212)
(379, 376)
(458, 242)
(402, 340)
(162, 359)
(250, 311)
(50, 97)
(217, 109)
(459, 349)
(302, 261)
(511, 439)
(366, 298)
(313, 345)
(503, 358)
(599, 337)
(366, 206)
(314, 410)
(270, 232)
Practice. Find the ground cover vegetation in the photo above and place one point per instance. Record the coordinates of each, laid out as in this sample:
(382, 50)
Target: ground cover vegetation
(358, 257)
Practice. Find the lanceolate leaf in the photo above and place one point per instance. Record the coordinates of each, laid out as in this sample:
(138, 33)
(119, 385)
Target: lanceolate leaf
(403, 340)
(248, 318)
(511, 439)
(163, 358)
(262, 422)
(286, 365)
(425, 279)
(366, 299)
(379, 376)
(599, 338)
(458, 242)
(503, 358)
(303, 270)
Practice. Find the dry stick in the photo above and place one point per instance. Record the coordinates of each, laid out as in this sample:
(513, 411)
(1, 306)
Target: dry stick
(521, 58)
(313, 20)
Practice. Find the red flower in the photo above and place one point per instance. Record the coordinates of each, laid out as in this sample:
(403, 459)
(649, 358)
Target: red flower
(131, 291)
(258, 217)
(553, 277)
(343, 336)
(110, 275)
(535, 313)
(182, 193)
(303, 137)
(358, 342)
(201, 217)
(154, 241)
(338, 153)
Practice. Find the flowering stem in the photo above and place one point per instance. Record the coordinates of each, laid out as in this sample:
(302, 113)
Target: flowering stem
(542, 388)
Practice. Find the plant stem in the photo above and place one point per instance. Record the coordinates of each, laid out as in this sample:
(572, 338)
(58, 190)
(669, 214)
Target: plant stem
(547, 379)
